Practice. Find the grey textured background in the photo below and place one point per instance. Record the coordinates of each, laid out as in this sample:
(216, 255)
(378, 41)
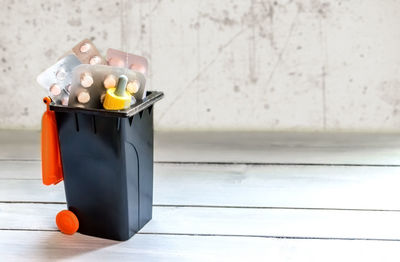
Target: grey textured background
(259, 65)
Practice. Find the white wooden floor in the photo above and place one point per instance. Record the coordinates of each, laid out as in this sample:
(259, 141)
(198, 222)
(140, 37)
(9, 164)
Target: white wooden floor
(225, 197)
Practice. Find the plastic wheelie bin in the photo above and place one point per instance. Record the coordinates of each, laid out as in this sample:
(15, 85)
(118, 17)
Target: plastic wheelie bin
(107, 164)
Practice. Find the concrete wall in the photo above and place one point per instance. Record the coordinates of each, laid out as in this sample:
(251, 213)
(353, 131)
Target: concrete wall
(265, 65)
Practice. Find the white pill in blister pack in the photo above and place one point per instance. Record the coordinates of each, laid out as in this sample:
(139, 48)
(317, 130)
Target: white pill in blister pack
(57, 79)
(87, 53)
(90, 83)
(121, 59)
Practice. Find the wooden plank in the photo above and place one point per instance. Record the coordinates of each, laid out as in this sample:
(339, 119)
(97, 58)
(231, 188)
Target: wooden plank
(291, 223)
(17, 190)
(279, 186)
(54, 246)
(269, 147)
(236, 185)
(20, 170)
(243, 147)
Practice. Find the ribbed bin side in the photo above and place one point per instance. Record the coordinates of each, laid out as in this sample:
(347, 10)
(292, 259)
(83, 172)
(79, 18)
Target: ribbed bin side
(142, 140)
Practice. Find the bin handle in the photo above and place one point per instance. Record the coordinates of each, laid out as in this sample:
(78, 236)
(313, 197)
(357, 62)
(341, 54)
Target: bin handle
(52, 172)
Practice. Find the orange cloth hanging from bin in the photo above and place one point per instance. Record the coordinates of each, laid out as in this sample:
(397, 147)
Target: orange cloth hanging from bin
(52, 172)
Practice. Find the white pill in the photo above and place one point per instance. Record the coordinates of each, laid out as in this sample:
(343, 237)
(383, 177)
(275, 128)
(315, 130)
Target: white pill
(102, 97)
(110, 81)
(61, 74)
(83, 97)
(86, 79)
(138, 68)
(133, 86)
(64, 101)
(85, 47)
(55, 90)
(114, 61)
(95, 60)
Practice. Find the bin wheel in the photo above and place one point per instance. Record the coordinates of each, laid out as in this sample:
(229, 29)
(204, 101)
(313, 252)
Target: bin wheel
(67, 222)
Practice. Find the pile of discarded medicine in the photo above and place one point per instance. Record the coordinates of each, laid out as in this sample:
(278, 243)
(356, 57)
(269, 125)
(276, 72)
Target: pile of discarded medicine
(83, 78)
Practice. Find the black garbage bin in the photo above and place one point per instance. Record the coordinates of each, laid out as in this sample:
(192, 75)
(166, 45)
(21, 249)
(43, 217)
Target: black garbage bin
(107, 159)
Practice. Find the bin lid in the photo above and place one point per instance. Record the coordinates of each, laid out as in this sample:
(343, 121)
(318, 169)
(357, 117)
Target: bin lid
(140, 105)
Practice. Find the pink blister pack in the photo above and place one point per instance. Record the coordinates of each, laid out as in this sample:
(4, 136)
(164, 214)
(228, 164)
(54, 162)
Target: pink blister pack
(121, 59)
(87, 53)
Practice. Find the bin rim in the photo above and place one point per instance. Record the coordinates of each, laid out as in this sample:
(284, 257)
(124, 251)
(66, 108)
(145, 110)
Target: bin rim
(149, 100)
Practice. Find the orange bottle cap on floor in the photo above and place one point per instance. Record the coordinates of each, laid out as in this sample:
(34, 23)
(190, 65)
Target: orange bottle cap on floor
(67, 222)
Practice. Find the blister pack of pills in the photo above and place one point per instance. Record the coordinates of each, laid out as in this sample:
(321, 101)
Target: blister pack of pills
(83, 78)
(57, 79)
(121, 59)
(87, 53)
(91, 82)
